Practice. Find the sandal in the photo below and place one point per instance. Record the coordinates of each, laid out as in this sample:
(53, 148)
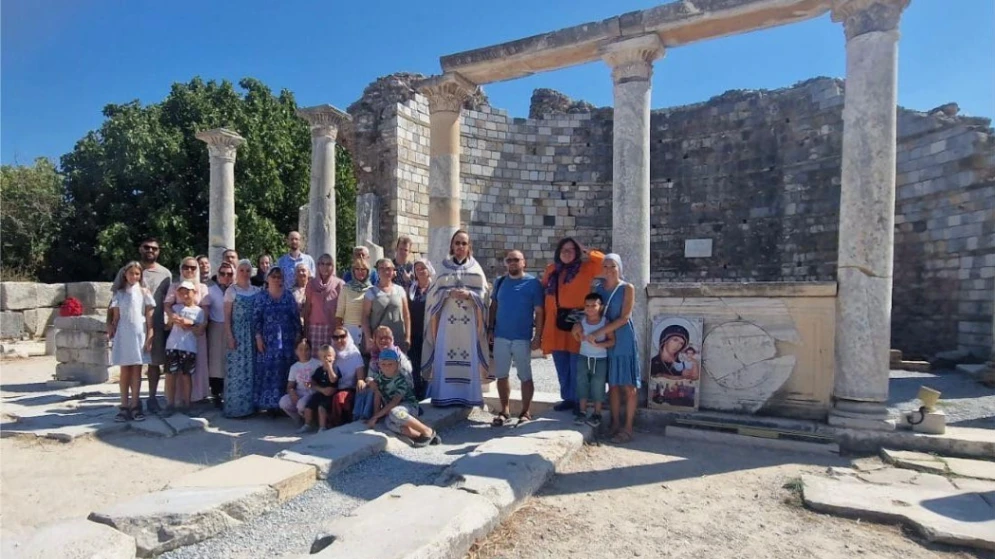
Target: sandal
(137, 415)
(122, 416)
(622, 437)
(523, 419)
(500, 419)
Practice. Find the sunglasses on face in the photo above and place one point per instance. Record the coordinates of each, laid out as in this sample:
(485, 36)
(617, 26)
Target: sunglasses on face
(339, 337)
(186, 267)
(225, 274)
(510, 260)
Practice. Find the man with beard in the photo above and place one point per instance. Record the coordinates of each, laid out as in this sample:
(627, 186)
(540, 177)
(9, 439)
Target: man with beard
(156, 278)
(288, 262)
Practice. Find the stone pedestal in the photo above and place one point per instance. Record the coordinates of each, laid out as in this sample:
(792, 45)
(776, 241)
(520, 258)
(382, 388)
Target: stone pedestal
(631, 61)
(221, 144)
(325, 121)
(367, 219)
(446, 95)
(867, 214)
(81, 349)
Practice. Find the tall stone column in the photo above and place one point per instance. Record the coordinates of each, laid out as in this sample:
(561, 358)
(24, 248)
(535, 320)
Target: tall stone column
(631, 61)
(446, 95)
(221, 145)
(867, 213)
(325, 121)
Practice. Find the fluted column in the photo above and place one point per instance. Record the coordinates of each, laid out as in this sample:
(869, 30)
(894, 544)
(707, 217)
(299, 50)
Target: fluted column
(325, 121)
(446, 95)
(631, 62)
(221, 145)
(867, 213)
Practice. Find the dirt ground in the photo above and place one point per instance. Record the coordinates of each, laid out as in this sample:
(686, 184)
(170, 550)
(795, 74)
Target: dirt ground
(45, 480)
(659, 497)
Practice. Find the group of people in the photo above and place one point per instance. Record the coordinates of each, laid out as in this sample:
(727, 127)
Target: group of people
(295, 338)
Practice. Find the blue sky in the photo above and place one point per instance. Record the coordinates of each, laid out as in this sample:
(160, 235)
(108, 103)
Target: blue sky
(63, 60)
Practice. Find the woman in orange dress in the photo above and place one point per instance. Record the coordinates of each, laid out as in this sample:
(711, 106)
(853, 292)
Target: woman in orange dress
(567, 281)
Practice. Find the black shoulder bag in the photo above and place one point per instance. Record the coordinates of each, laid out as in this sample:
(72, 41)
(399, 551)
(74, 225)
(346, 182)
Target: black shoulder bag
(565, 317)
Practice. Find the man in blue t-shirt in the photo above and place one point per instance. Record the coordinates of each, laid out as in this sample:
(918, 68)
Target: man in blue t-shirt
(515, 329)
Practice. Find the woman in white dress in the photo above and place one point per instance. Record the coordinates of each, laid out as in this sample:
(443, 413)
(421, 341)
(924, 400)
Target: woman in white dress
(130, 331)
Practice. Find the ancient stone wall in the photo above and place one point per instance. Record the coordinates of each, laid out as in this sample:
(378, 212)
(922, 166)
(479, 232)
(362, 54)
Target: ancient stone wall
(750, 178)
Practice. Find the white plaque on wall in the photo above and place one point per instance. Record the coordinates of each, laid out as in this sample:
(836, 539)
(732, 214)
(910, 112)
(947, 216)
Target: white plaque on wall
(697, 248)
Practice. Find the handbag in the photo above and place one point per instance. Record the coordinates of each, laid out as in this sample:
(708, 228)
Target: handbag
(565, 317)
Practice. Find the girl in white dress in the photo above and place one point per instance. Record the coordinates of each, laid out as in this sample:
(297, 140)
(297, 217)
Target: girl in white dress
(130, 331)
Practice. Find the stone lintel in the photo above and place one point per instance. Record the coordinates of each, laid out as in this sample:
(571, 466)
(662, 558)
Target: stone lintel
(864, 16)
(325, 120)
(632, 59)
(221, 142)
(446, 92)
(753, 289)
(677, 23)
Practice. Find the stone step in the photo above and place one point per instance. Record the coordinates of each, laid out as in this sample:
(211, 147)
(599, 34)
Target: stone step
(719, 437)
(289, 479)
(424, 521)
(172, 518)
(896, 356)
(964, 442)
(932, 463)
(915, 366)
(71, 538)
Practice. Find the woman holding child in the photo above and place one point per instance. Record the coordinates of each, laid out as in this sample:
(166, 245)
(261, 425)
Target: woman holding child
(190, 271)
(623, 357)
(276, 328)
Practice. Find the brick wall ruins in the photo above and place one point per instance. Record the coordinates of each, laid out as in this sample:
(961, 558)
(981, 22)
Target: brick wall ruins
(755, 172)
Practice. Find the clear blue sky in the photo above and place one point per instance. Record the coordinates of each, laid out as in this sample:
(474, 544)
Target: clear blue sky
(63, 60)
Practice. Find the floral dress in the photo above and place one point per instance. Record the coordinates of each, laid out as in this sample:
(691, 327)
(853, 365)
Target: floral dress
(240, 385)
(278, 322)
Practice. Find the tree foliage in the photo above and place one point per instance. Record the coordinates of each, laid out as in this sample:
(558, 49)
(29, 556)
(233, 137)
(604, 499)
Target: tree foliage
(144, 173)
(30, 216)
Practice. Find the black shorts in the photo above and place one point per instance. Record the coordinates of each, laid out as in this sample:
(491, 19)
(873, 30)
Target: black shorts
(319, 400)
(180, 362)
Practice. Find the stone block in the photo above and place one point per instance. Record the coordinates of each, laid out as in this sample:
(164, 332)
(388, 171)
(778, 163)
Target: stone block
(18, 295)
(72, 339)
(11, 324)
(174, 518)
(336, 449)
(85, 373)
(36, 321)
(289, 479)
(84, 323)
(425, 522)
(92, 356)
(919, 461)
(95, 296)
(978, 469)
(50, 294)
(77, 538)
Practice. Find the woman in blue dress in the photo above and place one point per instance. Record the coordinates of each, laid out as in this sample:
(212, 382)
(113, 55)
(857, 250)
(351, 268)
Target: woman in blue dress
(623, 357)
(277, 324)
(240, 380)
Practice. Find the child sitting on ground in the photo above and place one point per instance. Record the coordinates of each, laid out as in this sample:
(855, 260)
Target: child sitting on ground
(592, 364)
(294, 402)
(186, 323)
(324, 382)
(395, 400)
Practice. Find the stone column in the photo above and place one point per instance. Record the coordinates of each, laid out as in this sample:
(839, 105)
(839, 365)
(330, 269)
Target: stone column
(325, 121)
(446, 95)
(867, 214)
(221, 144)
(631, 61)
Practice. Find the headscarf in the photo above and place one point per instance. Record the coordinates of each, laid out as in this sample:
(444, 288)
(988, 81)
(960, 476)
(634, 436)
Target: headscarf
(618, 263)
(319, 286)
(348, 359)
(413, 289)
(569, 271)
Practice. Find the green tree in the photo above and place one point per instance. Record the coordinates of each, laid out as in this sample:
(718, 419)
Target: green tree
(31, 213)
(144, 173)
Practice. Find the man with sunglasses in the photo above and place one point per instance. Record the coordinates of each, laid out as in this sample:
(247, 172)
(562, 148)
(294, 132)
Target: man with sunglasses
(515, 328)
(156, 278)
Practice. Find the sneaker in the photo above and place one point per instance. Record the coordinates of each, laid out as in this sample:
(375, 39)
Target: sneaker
(594, 421)
(304, 429)
(152, 405)
(579, 418)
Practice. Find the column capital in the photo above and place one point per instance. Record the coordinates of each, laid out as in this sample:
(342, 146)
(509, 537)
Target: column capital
(221, 142)
(446, 93)
(325, 120)
(863, 16)
(632, 59)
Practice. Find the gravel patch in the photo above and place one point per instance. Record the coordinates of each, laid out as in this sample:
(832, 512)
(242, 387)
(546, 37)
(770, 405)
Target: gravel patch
(966, 402)
(290, 528)
(543, 375)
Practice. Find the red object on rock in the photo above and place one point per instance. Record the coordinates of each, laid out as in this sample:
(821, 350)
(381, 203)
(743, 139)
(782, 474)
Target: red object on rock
(71, 307)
